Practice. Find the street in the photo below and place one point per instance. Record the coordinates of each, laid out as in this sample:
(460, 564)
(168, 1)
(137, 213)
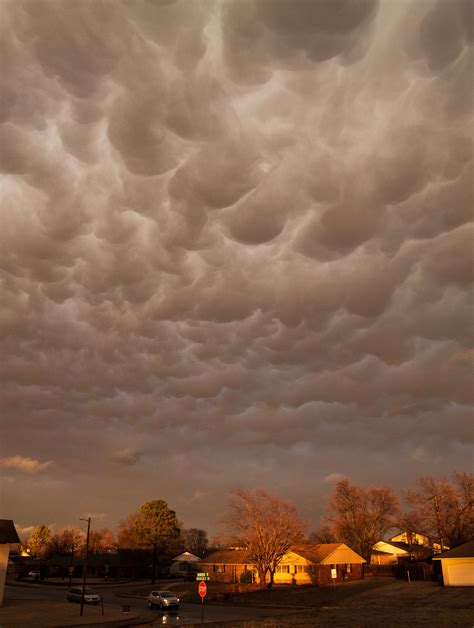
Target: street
(188, 613)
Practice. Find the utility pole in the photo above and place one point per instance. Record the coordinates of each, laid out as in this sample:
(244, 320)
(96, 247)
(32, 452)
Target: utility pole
(84, 571)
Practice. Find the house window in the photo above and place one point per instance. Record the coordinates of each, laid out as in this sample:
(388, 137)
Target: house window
(218, 568)
(348, 568)
(283, 569)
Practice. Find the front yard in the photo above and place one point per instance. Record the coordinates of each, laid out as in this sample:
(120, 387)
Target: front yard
(383, 602)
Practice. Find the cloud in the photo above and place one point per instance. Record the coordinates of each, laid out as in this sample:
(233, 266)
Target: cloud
(126, 456)
(335, 477)
(28, 465)
(235, 240)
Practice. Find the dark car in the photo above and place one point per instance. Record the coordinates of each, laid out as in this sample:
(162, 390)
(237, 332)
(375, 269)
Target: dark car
(90, 596)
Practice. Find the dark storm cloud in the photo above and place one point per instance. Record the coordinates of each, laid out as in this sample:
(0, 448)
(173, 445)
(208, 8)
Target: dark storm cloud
(235, 248)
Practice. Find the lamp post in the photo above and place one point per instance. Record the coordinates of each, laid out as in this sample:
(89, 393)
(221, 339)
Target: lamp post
(84, 572)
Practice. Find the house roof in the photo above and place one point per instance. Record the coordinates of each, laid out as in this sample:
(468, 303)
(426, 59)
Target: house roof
(329, 553)
(229, 557)
(466, 550)
(8, 533)
(324, 553)
(186, 556)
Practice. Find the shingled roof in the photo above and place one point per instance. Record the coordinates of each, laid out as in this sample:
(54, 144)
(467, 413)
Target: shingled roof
(8, 533)
(466, 550)
(228, 557)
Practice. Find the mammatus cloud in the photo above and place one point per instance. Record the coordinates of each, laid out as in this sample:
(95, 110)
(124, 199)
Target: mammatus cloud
(28, 465)
(235, 247)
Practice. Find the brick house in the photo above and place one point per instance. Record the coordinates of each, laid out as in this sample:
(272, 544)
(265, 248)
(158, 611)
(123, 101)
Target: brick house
(316, 564)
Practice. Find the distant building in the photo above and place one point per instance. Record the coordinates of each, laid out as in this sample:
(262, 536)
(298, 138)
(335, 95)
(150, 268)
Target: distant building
(184, 565)
(8, 535)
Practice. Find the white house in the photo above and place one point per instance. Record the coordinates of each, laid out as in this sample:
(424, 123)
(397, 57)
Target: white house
(458, 565)
(183, 564)
(7, 535)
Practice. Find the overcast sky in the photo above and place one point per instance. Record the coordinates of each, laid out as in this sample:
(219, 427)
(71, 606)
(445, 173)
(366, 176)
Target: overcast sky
(236, 250)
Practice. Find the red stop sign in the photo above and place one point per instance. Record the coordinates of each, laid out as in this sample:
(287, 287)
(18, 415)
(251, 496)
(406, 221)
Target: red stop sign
(202, 589)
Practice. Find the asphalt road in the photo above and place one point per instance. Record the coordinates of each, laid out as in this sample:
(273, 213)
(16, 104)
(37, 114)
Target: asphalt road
(187, 614)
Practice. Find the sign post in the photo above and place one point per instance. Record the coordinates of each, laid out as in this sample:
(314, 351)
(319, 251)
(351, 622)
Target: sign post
(202, 590)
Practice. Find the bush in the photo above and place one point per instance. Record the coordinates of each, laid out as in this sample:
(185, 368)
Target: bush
(246, 577)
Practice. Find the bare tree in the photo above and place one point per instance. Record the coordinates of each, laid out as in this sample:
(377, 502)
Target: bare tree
(195, 541)
(361, 516)
(444, 508)
(101, 541)
(265, 525)
(322, 535)
(66, 541)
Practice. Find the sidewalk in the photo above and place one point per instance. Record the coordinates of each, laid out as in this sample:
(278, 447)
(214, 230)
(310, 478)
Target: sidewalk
(46, 614)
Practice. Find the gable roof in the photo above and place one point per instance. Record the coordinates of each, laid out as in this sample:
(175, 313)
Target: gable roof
(186, 556)
(323, 554)
(8, 533)
(466, 550)
(329, 553)
(228, 557)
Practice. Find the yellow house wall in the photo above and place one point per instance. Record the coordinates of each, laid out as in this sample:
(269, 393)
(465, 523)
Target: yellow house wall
(341, 556)
(420, 539)
(293, 560)
(390, 549)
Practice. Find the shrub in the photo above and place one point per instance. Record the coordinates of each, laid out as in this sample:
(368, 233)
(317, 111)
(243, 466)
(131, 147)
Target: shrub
(246, 577)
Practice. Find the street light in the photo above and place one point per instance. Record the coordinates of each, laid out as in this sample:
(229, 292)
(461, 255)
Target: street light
(84, 572)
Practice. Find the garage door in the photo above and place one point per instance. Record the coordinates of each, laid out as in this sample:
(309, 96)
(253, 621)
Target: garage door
(461, 575)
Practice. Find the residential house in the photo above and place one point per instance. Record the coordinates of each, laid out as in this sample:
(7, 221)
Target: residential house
(316, 564)
(184, 565)
(389, 553)
(458, 565)
(418, 539)
(8, 535)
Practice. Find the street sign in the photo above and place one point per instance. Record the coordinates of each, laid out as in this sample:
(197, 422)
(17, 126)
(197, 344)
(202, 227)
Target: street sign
(202, 574)
(200, 578)
(202, 589)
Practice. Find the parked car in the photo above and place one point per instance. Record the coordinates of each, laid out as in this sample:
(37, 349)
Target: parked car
(162, 600)
(90, 596)
(34, 575)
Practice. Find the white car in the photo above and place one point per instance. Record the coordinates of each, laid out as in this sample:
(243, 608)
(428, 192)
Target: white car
(90, 596)
(163, 600)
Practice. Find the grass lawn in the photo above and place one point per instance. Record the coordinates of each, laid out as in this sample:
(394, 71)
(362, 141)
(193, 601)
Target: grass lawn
(383, 602)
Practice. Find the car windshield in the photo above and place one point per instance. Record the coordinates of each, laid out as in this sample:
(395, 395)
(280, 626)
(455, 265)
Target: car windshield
(89, 591)
(166, 594)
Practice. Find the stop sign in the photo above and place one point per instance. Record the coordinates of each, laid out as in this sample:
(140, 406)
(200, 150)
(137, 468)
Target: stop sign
(202, 589)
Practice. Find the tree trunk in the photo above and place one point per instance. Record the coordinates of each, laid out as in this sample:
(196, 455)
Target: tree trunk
(272, 574)
(261, 577)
